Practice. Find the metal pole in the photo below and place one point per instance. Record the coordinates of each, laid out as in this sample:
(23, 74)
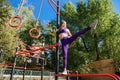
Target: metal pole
(13, 69)
(1, 73)
(1, 53)
(57, 40)
(42, 71)
(31, 75)
(24, 69)
(42, 63)
(77, 78)
(68, 78)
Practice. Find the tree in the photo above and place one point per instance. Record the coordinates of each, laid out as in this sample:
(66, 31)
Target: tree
(29, 23)
(99, 42)
(69, 14)
(7, 34)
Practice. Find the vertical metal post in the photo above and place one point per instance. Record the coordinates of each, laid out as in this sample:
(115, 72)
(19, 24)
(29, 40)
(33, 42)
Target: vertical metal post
(42, 70)
(31, 75)
(1, 53)
(25, 65)
(1, 72)
(13, 68)
(77, 78)
(68, 78)
(42, 63)
(57, 39)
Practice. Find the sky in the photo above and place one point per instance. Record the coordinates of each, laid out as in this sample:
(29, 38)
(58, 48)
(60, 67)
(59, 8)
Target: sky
(47, 13)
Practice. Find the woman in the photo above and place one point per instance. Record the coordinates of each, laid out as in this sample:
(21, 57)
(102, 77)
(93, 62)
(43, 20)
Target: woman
(67, 38)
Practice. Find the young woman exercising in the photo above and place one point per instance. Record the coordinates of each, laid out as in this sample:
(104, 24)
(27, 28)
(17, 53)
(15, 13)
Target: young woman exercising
(67, 38)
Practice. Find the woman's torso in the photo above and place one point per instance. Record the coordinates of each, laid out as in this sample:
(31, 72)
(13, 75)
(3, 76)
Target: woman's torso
(62, 33)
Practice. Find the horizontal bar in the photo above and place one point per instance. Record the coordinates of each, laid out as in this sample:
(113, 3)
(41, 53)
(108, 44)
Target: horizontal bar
(88, 75)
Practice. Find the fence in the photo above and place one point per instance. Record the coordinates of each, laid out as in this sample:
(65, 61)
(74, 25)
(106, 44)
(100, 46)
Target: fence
(29, 74)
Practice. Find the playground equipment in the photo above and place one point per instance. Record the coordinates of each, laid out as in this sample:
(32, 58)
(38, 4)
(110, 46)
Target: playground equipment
(35, 28)
(113, 76)
(57, 11)
(31, 32)
(16, 21)
(26, 53)
(17, 67)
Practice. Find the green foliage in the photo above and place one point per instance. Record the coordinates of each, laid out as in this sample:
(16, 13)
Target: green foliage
(70, 15)
(7, 34)
(28, 23)
(49, 33)
(24, 33)
(102, 43)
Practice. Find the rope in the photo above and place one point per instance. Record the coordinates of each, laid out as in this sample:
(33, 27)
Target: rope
(35, 28)
(16, 17)
(20, 7)
(39, 11)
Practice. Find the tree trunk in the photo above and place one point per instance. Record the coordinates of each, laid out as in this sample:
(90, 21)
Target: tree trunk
(96, 47)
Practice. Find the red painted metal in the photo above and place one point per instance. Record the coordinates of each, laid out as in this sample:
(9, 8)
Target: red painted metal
(118, 77)
(52, 1)
(34, 29)
(90, 75)
(12, 19)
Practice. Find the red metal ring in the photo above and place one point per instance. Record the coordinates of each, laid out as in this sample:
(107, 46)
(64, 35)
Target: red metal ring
(34, 29)
(17, 25)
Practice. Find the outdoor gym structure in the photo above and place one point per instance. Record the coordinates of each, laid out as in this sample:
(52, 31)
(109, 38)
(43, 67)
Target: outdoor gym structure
(57, 11)
(17, 17)
(26, 53)
(56, 7)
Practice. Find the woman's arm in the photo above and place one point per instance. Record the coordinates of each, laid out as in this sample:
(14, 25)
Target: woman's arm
(69, 33)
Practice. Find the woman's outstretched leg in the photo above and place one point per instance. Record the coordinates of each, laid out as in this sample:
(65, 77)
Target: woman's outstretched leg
(76, 35)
